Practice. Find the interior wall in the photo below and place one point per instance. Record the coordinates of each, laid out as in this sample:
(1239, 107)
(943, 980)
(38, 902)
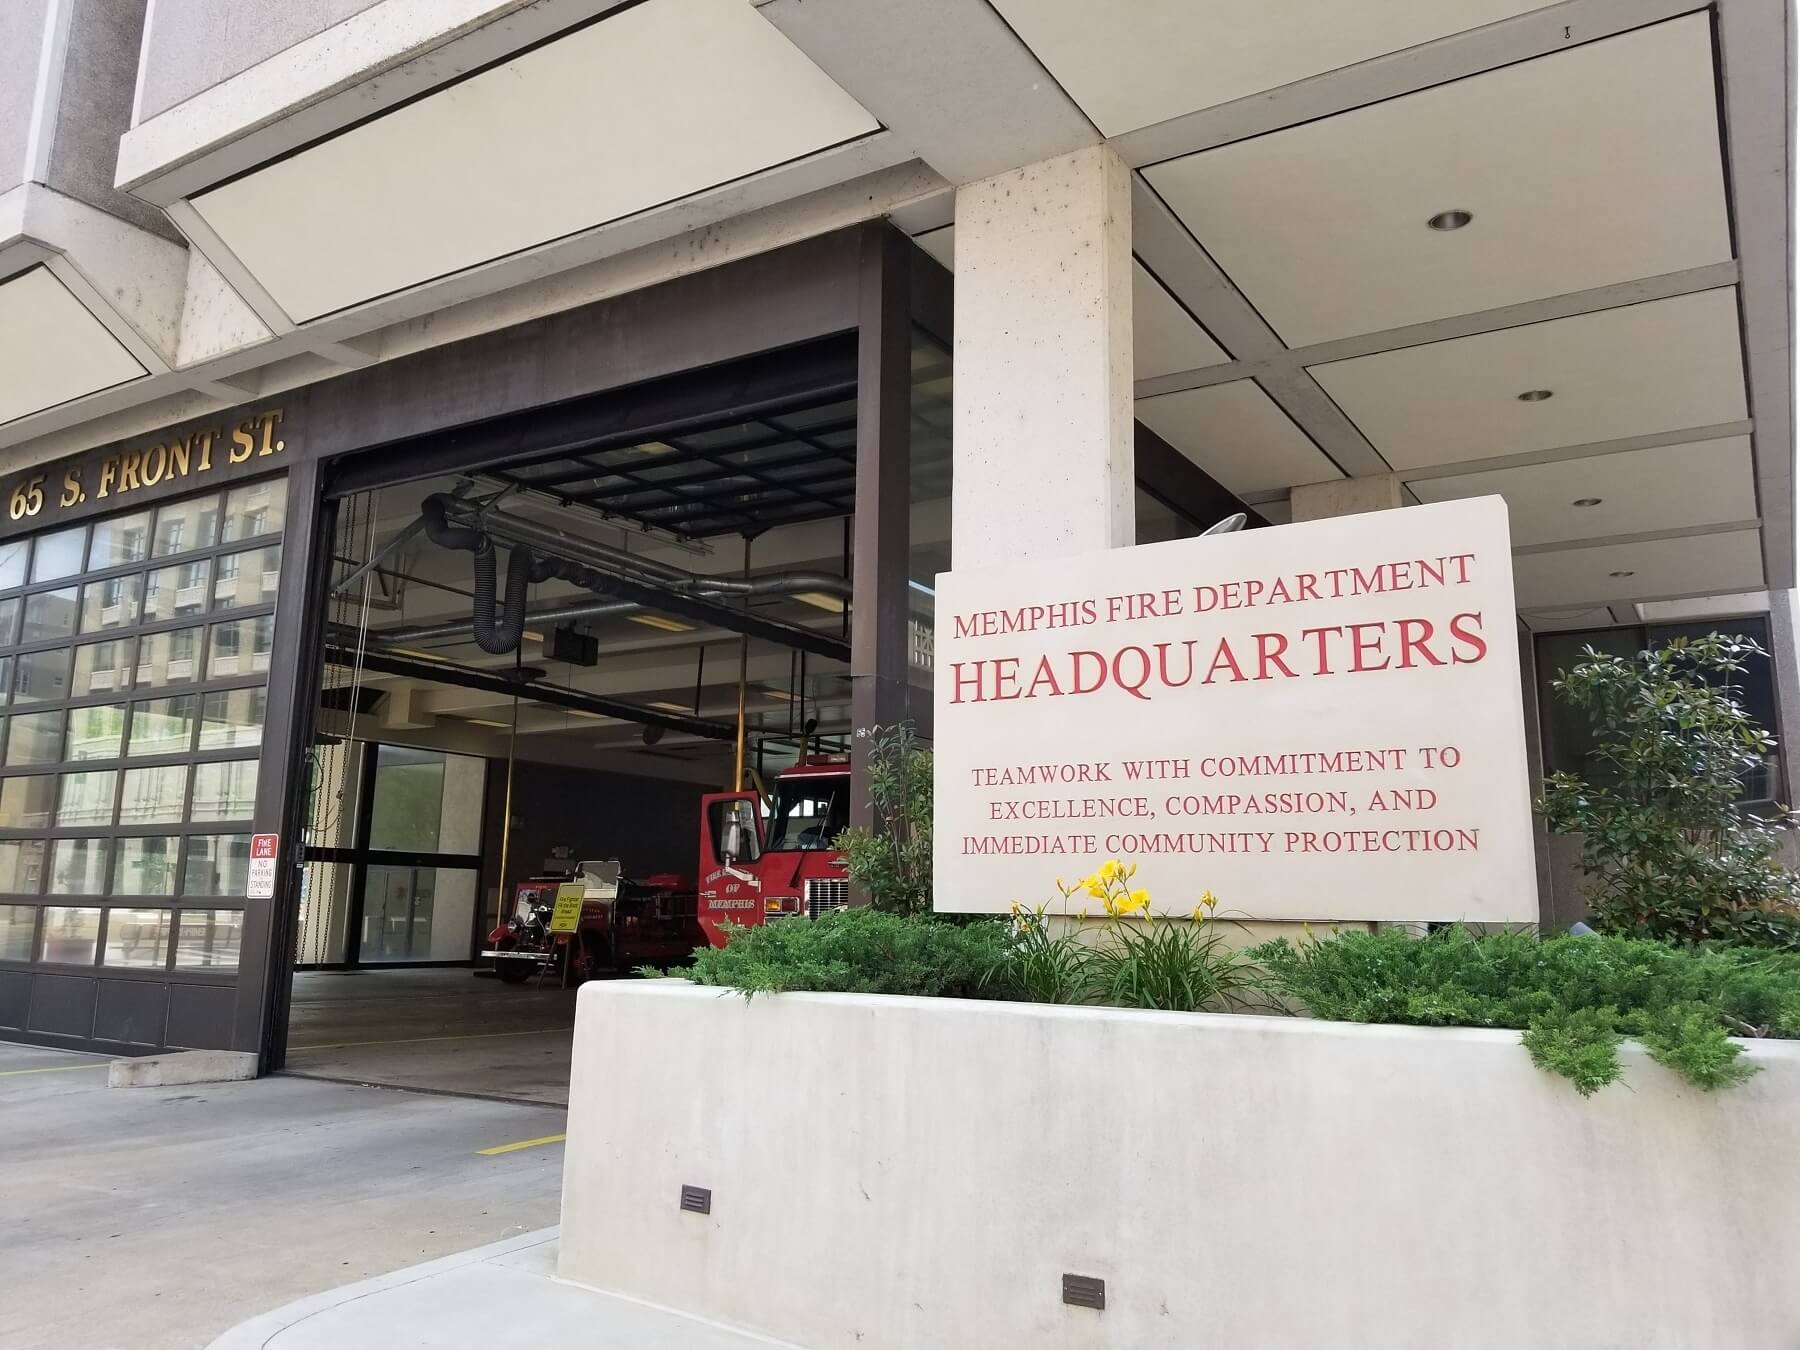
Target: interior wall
(648, 824)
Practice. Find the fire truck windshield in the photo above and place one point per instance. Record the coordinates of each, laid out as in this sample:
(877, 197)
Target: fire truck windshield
(809, 815)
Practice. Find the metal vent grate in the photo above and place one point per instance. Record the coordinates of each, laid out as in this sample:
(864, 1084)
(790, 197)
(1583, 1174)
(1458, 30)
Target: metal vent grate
(826, 894)
(696, 1199)
(1084, 1291)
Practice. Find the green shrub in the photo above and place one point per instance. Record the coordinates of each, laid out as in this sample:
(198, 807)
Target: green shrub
(859, 951)
(1574, 998)
(1667, 850)
(891, 865)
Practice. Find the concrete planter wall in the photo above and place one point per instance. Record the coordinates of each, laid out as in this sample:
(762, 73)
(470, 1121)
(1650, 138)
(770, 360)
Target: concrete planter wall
(894, 1174)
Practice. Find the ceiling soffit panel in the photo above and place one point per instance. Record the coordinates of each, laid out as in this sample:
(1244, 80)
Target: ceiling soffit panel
(1239, 435)
(1640, 369)
(650, 105)
(1669, 487)
(1593, 166)
(1699, 564)
(52, 348)
(1130, 66)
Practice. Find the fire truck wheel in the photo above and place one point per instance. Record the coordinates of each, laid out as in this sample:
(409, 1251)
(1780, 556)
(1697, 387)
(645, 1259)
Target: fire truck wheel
(513, 972)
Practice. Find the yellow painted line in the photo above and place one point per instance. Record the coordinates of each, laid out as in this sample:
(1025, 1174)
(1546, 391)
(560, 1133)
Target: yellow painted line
(58, 1068)
(425, 1040)
(523, 1143)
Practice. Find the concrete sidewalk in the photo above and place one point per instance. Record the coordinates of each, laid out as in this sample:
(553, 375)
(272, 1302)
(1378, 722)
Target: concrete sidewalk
(502, 1294)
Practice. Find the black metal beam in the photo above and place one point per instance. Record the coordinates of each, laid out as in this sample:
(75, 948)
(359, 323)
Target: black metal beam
(556, 695)
(721, 614)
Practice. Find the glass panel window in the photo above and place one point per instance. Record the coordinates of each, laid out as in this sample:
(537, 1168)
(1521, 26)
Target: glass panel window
(6, 665)
(176, 592)
(59, 554)
(18, 925)
(145, 866)
(103, 667)
(154, 796)
(217, 864)
(209, 938)
(39, 676)
(9, 620)
(225, 791)
(96, 733)
(121, 540)
(241, 648)
(182, 526)
(34, 738)
(78, 866)
(260, 508)
(71, 936)
(12, 563)
(25, 803)
(111, 604)
(246, 579)
(168, 658)
(163, 726)
(233, 718)
(49, 615)
(21, 866)
(86, 800)
(137, 937)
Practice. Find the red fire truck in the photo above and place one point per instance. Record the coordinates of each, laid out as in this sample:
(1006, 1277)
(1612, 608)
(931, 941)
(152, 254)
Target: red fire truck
(749, 875)
(622, 923)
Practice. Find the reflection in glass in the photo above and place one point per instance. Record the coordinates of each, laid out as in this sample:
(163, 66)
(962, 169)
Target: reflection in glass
(137, 937)
(145, 867)
(176, 592)
(225, 791)
(217, 864)
(22, 866)
(34, 738)
(260, 508)
(103, 667)
(121, 540)
(25, 803)
(153, 796)
(41, 675)
(71, 936)
(246, 579)
(18, 925)
(9, 620)
(168, 658)
(162, 726)
(78, 866)
(241, 648)
(209, 937)
(181, 526)
(86, 800)
(59, 554)
(12, 563)
(111, 604)
(233, 718)
(95, 733)
(49, 615)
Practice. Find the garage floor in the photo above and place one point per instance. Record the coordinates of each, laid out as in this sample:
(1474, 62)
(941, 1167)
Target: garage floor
(439, 1030)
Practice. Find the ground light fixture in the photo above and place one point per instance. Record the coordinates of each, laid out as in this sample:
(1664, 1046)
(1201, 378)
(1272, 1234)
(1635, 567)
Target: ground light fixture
(1586, 501)
(1536, 395)
(1445, 221)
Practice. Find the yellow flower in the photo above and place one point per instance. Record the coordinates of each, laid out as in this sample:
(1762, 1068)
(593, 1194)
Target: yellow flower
(1131, 871)
(1208, 899)
(1133, 902)
(1199, 915)
(1017, 909)
(1096, 888)
(1110, 869)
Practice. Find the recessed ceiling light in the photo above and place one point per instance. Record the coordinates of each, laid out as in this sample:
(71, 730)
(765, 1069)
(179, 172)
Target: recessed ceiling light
(1536, 395)
(658, 621)
(821, 600)
(1586, 501)
(1450, 220)
(1621, 574)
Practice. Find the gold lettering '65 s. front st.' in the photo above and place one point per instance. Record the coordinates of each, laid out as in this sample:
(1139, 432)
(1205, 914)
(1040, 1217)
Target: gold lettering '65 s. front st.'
(172, 460)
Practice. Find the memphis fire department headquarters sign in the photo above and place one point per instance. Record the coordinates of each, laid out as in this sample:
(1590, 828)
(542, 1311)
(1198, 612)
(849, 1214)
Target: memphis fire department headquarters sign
(1320, 721)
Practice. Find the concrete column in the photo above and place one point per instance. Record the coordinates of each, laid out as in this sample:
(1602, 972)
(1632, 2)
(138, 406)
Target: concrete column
(1784, 651)
(1043, 419)
(1346, 497)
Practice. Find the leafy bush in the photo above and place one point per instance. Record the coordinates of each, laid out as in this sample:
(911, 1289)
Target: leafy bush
(1575, 998)
(1669, 853)
(858, 951)
(891, 864)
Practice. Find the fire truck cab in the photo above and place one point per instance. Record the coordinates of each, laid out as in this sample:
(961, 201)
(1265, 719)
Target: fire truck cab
(750, 873)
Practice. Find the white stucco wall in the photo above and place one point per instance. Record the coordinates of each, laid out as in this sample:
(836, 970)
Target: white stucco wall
(891, 1173)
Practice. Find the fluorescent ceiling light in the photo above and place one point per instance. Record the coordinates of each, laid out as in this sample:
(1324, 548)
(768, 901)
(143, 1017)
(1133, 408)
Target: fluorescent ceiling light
(782, 694)
(654, 448)
(669, 707)
(820, 600)
(415, 654)
(591, 716)
(484, 722)
(658, 621)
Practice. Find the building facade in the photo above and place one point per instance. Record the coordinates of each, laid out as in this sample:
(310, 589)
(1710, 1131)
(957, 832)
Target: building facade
(752, 318)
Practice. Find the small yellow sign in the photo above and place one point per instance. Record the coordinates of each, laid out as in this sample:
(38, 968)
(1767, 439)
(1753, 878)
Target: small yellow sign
(566, 917)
